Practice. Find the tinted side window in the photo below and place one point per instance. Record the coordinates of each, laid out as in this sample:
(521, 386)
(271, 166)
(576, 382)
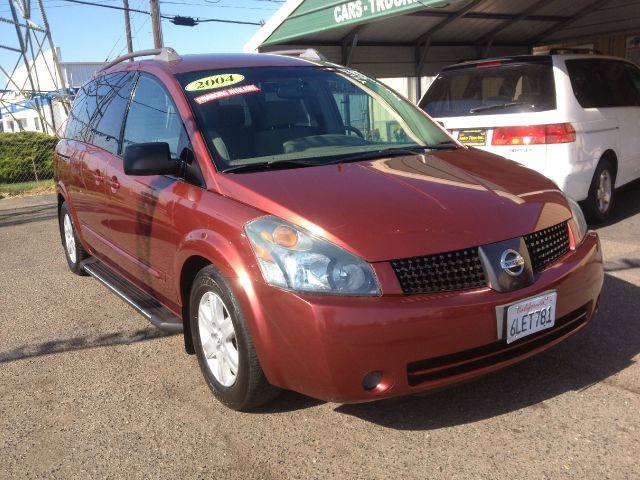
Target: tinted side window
(153, 116)
(601, 83)
(87, 114)
(74, 123)
(83, 113)
(113, 92)
(634, 75)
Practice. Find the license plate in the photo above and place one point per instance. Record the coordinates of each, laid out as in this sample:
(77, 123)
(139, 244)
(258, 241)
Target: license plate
(530, 316)
(473, 138)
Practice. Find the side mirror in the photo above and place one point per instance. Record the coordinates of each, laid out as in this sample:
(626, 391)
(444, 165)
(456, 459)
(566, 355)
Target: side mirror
(149, 159)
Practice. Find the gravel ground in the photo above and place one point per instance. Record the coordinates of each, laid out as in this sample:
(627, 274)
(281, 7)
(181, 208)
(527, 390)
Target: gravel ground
(90, 390)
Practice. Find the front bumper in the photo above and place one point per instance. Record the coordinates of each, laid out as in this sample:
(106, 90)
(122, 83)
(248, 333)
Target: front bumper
(323, 346)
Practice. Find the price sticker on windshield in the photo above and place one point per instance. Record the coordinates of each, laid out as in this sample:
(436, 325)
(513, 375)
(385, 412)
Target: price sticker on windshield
(214, 81)
(227, 92)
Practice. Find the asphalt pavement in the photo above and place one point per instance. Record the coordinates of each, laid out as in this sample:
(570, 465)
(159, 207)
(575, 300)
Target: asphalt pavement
(89, 389)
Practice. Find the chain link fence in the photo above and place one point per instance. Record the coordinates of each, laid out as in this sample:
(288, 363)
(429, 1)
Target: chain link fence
(26, 163)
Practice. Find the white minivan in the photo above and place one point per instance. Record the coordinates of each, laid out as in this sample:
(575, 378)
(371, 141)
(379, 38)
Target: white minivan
(574, 118)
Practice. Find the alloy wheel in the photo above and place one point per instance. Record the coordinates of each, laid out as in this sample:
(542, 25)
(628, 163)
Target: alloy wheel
(69, 238)
(218, 339)
(604, 192)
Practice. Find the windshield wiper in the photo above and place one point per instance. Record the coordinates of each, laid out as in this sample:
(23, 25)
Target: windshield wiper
(500, 105)
(391, 152)
(272, 165)
(443, 146)
(370, 155)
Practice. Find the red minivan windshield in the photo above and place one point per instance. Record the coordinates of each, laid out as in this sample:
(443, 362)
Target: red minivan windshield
(491, 88)
(308, 115)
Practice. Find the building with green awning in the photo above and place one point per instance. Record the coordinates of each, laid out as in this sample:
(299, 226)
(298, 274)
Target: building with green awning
(416, 38)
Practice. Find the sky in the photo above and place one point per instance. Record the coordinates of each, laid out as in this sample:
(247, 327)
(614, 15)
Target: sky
(91, 33)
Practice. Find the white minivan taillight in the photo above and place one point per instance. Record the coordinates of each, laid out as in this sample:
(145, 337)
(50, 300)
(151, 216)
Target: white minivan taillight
(534, 134)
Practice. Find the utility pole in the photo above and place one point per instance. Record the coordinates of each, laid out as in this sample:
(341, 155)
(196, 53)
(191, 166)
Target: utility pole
(127, 27)
(155, 20)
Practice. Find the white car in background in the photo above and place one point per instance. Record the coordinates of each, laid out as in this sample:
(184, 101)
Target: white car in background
(574, 118)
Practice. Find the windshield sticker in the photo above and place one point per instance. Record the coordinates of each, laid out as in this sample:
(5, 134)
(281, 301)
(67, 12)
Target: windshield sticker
(227, 92)
(214, 81)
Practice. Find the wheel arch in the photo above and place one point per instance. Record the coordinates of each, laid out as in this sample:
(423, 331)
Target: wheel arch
(190, 269)
(61, 200)
(200, 249)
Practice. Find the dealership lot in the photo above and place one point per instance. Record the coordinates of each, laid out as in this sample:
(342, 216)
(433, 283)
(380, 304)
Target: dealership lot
(89, 389)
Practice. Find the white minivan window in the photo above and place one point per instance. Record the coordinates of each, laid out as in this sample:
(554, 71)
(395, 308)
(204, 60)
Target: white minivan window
(494, 88)
(602, 83)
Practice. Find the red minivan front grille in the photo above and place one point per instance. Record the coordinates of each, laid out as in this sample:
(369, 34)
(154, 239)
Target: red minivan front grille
(458, 270)
(462, 269)
(546, 246)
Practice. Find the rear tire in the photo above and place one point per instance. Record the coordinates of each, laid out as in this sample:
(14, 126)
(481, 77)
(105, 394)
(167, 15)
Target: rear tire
(74, 252)
(223, 346)
(599, 203)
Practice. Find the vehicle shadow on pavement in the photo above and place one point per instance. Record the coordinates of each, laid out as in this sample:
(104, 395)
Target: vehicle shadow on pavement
(604, 348)
(81, 343)
(20, 216)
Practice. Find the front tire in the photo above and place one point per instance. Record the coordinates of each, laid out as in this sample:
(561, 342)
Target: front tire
(74, 252)
(599, 203)
(223, 346)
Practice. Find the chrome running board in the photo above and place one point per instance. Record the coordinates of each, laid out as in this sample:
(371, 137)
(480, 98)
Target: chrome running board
(144, 303)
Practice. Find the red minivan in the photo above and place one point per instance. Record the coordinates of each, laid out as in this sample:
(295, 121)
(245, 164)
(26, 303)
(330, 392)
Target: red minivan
(309, 229)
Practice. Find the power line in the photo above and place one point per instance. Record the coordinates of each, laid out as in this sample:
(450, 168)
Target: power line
(208, 4)
(166, 17)
(114, 7)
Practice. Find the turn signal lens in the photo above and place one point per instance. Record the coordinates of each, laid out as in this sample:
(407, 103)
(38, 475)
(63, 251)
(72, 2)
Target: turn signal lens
(534, 134)
(263, 254)
(580, 223)
(285, 236)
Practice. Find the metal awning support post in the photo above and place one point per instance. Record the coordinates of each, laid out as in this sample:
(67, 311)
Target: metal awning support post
(421, 58)
(459, 14)
(576, 16)
(349, 43)
(489, 37)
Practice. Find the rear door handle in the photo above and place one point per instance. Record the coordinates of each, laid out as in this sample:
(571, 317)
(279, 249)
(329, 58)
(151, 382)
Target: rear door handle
(99, 178)
(115, 185)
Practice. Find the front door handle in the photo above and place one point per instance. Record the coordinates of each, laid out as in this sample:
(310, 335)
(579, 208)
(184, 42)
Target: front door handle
(115, 185)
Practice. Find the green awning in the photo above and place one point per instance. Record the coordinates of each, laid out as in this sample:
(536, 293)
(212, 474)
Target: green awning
(413, 38)
(313, 16)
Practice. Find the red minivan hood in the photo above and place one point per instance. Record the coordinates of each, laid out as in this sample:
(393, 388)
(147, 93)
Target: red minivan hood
(407, 206)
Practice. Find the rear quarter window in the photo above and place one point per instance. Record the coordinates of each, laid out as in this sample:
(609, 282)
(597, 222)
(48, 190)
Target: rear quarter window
(602, 83)
(492, 90)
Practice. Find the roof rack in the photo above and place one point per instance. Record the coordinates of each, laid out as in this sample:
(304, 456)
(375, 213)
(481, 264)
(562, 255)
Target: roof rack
(166, 54)
(569, 50)
(308, 53)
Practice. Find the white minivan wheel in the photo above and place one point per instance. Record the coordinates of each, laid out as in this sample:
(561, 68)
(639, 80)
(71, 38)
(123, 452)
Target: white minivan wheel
(599, 203)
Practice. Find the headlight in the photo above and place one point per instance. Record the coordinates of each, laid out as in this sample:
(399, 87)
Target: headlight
(292, 258)
(578, 217)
